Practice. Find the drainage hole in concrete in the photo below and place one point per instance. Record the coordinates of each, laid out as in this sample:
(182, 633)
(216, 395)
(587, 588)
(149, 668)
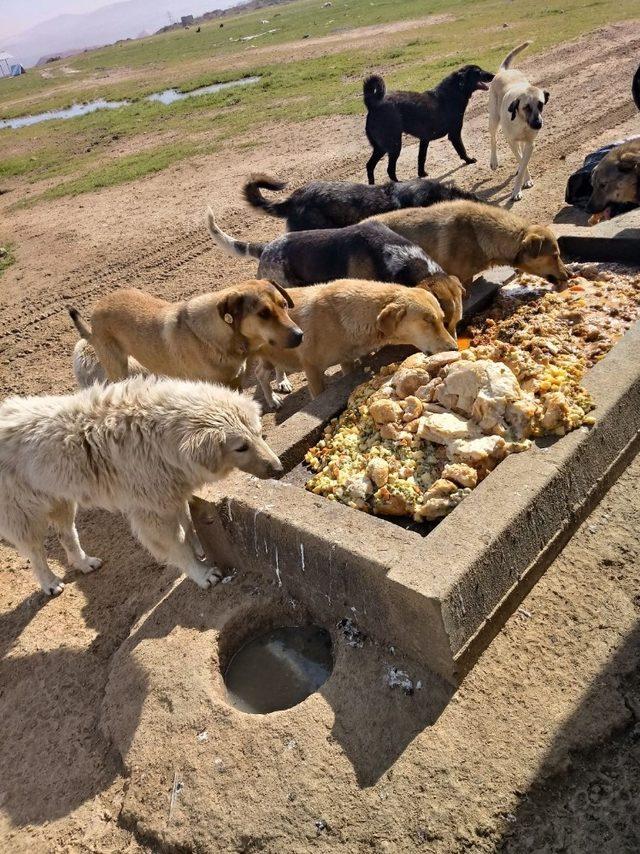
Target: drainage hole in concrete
(279, 669)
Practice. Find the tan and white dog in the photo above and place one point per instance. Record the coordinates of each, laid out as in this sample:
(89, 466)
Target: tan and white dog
(516, 106)
(140, 447)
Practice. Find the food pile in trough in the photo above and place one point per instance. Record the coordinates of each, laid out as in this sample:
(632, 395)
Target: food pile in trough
(421, 434)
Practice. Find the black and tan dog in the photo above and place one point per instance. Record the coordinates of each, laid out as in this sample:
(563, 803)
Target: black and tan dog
(335, 204)
(426, 115)
(368, 251)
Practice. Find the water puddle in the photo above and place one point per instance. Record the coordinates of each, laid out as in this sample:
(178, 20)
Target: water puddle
(168, 96)
(279, 669)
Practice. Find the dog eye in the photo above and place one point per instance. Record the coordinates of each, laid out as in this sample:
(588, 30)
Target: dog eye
(264, 313)
(540, 105)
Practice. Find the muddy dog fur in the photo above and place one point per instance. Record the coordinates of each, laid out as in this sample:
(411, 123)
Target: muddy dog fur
(426, 115)
(336, 204)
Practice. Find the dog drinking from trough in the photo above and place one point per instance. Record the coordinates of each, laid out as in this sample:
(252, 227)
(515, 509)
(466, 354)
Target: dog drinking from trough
(140, 447)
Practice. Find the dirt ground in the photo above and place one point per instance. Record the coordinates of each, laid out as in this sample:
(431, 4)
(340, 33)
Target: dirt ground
(537, 751)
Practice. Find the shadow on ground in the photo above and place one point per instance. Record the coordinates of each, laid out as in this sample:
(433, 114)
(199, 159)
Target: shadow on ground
(53, 755)
(592, 802)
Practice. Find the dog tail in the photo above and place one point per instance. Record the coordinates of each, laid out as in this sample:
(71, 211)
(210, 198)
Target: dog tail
(506, 62)
(635, 87)
(259, 181)
(230, 244)
(84, 330)
(373, 91)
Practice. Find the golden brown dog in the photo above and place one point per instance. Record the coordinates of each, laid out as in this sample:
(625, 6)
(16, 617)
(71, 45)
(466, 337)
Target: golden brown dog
(347, 319)
(616, 179)
(467, 237)
(208, 337)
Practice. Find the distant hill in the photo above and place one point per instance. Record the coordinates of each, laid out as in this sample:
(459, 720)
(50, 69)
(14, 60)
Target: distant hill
(73, 33)
(214, 14)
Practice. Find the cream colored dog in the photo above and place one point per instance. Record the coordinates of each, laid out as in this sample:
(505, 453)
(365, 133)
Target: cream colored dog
(208, 337)
(139, 447)
(347, 319)
(516, 106)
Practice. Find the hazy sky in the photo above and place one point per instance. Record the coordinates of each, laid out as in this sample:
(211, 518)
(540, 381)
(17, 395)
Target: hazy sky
(18, 16)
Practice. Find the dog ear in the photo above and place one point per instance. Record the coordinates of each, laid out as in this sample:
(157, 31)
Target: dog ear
(532, 245)
(231, 309)
(390, 317)
(547, 95)
(204, 447)
(284, 293)
(629, 161)
(513, 108)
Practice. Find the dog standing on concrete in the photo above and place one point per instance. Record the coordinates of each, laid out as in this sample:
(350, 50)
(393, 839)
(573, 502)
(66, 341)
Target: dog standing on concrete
(516, 106)
(345, 320)
(140, 447)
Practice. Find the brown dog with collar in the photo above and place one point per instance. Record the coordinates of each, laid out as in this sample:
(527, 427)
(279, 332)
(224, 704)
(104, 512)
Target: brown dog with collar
(208, 337)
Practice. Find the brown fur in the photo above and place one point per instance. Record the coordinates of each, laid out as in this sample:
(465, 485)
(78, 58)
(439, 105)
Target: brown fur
(208, 337)
(467, 237)
(616, 179)
(347, 319)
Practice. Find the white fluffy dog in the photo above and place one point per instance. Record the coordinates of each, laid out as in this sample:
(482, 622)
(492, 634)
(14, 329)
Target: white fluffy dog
(516, 106)
(141, 447)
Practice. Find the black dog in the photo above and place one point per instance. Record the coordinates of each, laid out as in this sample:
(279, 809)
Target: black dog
(428, 115)
(335, 204)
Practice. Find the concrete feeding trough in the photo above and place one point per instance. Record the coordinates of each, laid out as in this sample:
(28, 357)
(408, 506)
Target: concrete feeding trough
(440, 595)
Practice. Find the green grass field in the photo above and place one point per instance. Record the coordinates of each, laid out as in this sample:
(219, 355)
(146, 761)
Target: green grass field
(79, 155)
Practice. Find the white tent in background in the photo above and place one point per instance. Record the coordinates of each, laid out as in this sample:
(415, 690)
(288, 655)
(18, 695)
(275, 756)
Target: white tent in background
(9, 65)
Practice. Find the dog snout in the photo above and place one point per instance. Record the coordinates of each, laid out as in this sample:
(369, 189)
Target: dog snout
(595, 204)
(268, 463)
(536, 123)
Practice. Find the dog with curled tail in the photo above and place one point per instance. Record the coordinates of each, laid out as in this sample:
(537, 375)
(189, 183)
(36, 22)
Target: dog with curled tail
(140, 447)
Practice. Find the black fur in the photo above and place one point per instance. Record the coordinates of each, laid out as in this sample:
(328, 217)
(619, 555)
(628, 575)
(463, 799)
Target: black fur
(335, 204)
(427, 115)
(635, 87)
(368, 250)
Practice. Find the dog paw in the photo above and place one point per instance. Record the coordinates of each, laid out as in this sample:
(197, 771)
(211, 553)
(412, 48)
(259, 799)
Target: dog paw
(527, 184)
(89, 564)
(471, 160)
(276, 400)
(516, 197)
(210, 577)
(493, 164)
(53, 587)
(285, 386)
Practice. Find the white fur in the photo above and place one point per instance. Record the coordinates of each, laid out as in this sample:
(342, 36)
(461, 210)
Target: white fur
(141, 447)
(510, 85)
(87, 369)
(396, 258)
